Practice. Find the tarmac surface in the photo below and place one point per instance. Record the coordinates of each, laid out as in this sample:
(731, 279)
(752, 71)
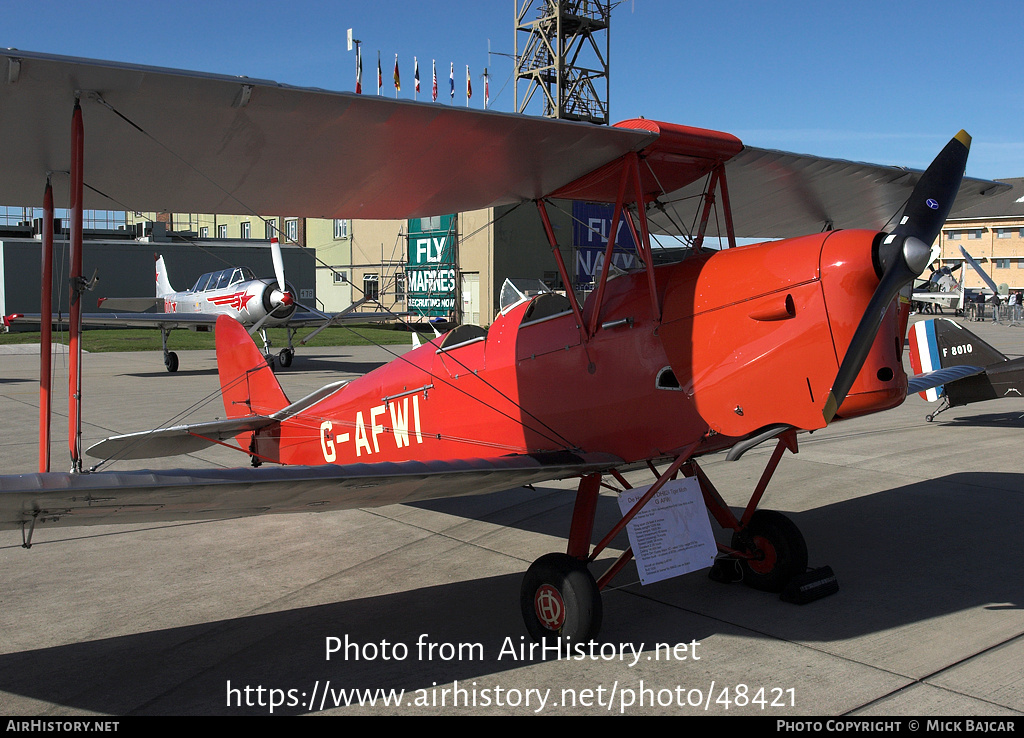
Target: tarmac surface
(920, 522)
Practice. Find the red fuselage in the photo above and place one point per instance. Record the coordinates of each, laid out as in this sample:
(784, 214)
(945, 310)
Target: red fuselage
(747, 338)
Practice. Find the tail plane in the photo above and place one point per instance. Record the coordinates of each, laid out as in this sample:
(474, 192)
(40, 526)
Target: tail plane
(971, 370)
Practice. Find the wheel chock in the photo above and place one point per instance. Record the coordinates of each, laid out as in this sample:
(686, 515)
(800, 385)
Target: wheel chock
(810, 586)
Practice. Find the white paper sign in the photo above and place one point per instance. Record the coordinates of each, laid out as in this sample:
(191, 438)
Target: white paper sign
(672, 534)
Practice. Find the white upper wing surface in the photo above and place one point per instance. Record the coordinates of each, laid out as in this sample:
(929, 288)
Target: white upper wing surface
(169, 140)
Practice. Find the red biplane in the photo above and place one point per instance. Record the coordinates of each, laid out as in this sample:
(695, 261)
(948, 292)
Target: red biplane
(723, 349)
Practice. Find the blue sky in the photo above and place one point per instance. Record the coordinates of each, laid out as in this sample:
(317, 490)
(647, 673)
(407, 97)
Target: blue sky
(868, 80)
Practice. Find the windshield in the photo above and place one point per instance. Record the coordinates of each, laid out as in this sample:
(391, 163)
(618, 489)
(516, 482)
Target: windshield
(514, 291)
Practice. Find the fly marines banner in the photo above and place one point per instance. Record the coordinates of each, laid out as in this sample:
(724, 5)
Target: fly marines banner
(430, 274)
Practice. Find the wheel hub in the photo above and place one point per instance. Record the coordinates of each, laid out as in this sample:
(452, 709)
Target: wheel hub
(765, 562)
(550, 608)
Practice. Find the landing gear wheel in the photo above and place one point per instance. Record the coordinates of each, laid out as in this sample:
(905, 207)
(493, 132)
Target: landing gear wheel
(559, 598)
(286, 356)
(780, 548)
(171, 361)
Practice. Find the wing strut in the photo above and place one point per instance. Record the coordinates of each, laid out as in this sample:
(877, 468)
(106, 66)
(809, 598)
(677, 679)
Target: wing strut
(75, 327)
(595, 316)
(717, 180)
(45, 330)
(562, 271)
(630, 190)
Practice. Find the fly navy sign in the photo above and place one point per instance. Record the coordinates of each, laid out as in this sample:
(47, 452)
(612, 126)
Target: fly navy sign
(430, 273)
(591, 225)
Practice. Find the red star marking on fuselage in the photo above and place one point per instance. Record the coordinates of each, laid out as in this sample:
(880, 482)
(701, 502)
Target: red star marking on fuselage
(236, 301)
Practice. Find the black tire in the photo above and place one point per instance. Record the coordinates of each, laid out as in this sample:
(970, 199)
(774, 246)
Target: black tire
(781, 552)
(285, 357)
(171, 361)
(559, 598)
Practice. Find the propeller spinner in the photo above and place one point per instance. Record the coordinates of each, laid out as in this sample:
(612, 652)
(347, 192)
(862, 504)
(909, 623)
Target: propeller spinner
(903, 255)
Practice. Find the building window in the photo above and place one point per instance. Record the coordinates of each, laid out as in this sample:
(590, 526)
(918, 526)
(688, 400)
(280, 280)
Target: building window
(204, 232)
(269, 229)
(433, 223)
(953, 235)
(1003, 232)
(371, 287)
(400, 285)
(222, 231)
(974, 233)
(340, 228)
(291, 230)
(1002, 263)
(340, 277)
(246, 230)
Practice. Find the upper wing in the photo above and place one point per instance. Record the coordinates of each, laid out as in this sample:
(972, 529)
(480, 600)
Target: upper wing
(777, 194)
(179, 494)
(225, 144)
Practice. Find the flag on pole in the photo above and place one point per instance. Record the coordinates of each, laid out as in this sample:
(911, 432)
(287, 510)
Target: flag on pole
(359, 71)
(398, 82)
(469, 86)
(380, 78)
(487, 89)
(433, 92)
(416, 73)
(451, 81)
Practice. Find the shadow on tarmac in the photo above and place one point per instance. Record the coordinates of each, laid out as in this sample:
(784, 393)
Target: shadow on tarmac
(902, 556)
(1012, 420)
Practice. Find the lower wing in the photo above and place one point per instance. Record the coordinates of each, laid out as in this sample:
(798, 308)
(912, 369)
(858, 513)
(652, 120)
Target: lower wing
(185, 494)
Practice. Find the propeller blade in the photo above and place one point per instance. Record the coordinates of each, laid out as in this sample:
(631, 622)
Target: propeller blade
(989, 282)
(903, 255)
(275, 254)
(932, 198)
(259, 324)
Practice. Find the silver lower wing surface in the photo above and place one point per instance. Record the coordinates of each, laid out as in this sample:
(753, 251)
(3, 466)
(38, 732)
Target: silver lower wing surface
(187, 494)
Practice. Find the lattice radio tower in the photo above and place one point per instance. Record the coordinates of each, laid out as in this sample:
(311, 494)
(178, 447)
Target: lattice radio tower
(563, 53)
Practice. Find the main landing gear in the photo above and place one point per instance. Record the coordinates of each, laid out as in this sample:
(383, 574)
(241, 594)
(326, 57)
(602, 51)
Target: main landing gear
(285, 355)
(170, 358)
(561, 598)
(774, 550)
